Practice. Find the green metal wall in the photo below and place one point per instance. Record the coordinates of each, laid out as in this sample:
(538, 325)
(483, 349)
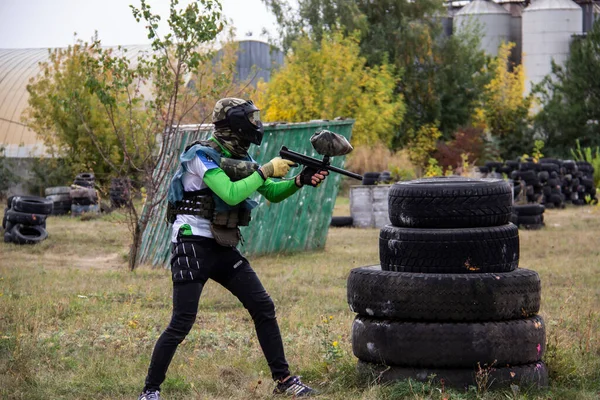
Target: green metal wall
(298, 223)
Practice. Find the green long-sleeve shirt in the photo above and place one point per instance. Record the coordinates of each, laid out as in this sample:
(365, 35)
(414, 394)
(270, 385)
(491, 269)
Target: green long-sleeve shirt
(234, 193)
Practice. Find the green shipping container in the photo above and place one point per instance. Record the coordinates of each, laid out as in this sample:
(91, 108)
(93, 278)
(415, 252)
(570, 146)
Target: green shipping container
(298, 223)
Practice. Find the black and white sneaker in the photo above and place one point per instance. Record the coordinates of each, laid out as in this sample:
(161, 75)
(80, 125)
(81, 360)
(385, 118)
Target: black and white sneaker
(294, 387)
(150, 395)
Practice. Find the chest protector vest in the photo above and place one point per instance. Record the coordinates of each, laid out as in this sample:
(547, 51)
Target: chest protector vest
(204, 203)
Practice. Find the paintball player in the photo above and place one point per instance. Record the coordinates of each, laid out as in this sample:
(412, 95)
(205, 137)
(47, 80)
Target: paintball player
(208, 200)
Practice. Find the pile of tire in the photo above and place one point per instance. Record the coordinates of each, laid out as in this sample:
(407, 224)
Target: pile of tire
(377, 178)
(448, 299)
(61, 199)
(528, 216)
(84, 196)
(24, 219)
(551, 182)
(119, 192)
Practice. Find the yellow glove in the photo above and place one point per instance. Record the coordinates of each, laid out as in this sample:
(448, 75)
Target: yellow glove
(277, 167)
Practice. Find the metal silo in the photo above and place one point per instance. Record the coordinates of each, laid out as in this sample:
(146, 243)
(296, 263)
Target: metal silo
(493, 19)
(548, 27)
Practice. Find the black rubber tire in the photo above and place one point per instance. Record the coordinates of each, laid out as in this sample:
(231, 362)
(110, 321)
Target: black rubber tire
(449, 251)
(57, 198)
(57, 190)
(8, 236)
(588, 183)
(83, 183)
(32, 205)
(87, 176)
(450, 202)
(9, 225)
(514, 165)
(527, 166)
(17, 217)
(4, 219)
(341, 221)
(547, 191)
(505, 169)
(370, 178)
(534, 375)
(9, 201)
(82, 192)
(84, 201)
(531, 219)
(449, 344)
(23, 234)
(444, 297)
(484, 170)
(549, 167)
(529, 209)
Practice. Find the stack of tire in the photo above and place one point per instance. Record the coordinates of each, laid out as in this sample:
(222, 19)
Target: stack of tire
(375, 178)
(24, 219)
(551, 182)
(578, 182)
(84, 197)
(119, 192)
(528, 216)
(448, 298)
(61, 199)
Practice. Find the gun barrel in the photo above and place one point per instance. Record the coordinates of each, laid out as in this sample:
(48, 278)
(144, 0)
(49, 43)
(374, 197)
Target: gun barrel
(344, 172)
(314, 163)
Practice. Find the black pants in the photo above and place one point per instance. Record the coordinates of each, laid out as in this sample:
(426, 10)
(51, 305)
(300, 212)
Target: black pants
(193, 262)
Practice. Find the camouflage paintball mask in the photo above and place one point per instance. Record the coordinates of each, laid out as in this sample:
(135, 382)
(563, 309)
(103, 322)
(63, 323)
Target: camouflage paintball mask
(241, 117)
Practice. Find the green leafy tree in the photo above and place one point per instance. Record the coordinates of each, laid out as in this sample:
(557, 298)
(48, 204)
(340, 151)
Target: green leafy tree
(504, 111)
(570, 98)
(104, 104)
(441, 77)
(61, 109)
(329, 79)
(422, 145)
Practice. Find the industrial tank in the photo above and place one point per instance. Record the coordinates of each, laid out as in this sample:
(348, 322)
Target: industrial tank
(548, 27)
(493, 19)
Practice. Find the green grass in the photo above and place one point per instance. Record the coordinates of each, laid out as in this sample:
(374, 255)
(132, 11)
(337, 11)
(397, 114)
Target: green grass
(76, 324)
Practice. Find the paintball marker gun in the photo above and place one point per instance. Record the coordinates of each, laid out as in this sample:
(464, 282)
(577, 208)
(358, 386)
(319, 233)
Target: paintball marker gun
(328, 144)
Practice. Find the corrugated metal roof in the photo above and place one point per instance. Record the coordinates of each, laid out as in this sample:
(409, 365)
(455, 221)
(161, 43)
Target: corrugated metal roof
(543, 5)
(17, 67)
(479, 7)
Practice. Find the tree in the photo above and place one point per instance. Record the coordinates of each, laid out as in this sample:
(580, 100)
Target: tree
(53, 96)
(570, 98)
(441, 77)
(329, 79)
(504, 111)
(102, 102)
(421, 146)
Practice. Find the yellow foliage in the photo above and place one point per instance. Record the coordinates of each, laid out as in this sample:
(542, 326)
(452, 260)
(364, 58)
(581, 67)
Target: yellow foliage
(329, 81)
(504, 108)
(433, 169)
(422, 144)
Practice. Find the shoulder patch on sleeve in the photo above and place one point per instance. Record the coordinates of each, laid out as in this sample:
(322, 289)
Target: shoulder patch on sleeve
(208, 162)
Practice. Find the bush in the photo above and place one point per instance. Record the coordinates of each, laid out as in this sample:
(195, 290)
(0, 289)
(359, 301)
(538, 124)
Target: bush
(467, 141)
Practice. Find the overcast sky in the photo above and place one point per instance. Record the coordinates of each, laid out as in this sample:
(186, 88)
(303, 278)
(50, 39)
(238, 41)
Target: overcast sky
(51, 23)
